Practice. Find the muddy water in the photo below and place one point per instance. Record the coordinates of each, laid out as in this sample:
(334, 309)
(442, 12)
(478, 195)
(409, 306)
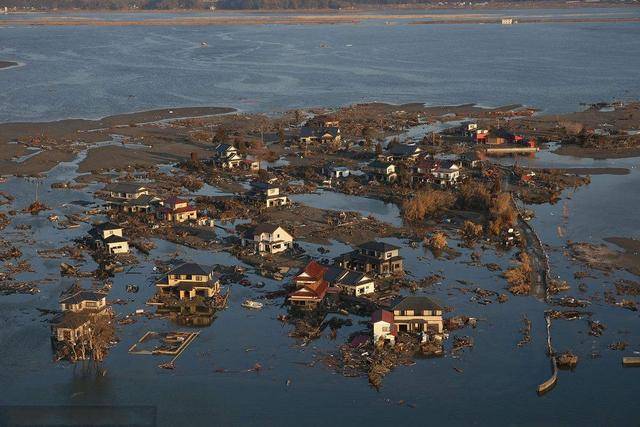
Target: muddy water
(496, 386)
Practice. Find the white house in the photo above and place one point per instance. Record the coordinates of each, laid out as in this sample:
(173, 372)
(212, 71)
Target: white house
(268, 239)
(268, 194)
(384, 327)
(129, 197)
(447, 174)
(382, 171)
(227, 156)
(340, 172)
(109, 236)
(84, 300)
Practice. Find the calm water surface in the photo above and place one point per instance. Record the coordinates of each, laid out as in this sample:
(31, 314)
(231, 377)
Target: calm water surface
(91, 72)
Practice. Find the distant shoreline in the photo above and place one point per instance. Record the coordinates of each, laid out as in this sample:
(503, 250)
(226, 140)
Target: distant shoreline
(313, 19)
(363, 8)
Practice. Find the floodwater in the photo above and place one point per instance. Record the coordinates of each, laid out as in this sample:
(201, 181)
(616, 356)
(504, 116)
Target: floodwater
(497, 383)
(91, 72)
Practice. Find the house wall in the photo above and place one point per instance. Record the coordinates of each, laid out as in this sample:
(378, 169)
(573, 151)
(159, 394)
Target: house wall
(405, 319)
(382, 329)
(118, 248)
(109, 233)
(85, 305)
(174, 279)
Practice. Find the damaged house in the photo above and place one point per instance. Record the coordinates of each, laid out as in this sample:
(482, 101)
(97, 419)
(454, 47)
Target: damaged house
(373, 257)
(267, 239)
(382, 171)
(404, 152)
(311, 287)
(349, 282)
(78, 309)
(226, 156)
(384, 327)
(129, 197)
(447, 174)
(418, 314)
(108, 236)
(176, 210)
(188, 281)
(268, 195)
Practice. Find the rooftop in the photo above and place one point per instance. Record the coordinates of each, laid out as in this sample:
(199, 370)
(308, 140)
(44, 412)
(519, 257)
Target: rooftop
(124, 187)
(378, 246)
(416, 303)
(191, 269)
(377, 164)
(83, 295)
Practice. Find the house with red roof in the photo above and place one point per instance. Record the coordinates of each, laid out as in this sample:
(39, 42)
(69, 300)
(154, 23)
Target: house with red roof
(311, 287)
(177, 210)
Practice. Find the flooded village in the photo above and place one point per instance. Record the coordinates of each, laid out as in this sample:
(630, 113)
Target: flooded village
(362, 242)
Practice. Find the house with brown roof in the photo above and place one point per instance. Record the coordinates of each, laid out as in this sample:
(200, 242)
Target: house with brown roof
(188, 281)
(176, 209)
(311, 287)
(267, 239)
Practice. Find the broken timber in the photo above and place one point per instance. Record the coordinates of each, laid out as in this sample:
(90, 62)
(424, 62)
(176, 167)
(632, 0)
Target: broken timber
(551, 382)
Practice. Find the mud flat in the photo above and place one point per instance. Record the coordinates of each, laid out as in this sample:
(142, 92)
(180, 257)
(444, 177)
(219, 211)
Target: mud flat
(61, 128)
(601, 257)
(58, 140)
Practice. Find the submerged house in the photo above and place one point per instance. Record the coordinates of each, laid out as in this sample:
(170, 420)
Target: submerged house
(188, 281)
(373, 257)
(268, 195)
(108, 236)
(418, 314)
(69, 327)
(78, 309)
(267, 239)
(177, 210)
(84, 300)
(129, 197)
